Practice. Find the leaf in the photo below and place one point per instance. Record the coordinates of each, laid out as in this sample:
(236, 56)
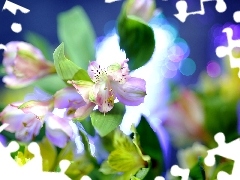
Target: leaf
(75, 30)
(39, 42)
(65, 68)
(50, 83)
(48, 153)
(151, 146)
(142, 173)
(197, 172)
(136, 38)
(104, 124)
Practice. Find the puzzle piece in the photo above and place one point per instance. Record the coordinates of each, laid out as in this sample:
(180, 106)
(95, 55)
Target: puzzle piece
(236, 16)
(227, 150)
(110, 1)
(182, 6)
(222, 51)
(177, 171)
(12, 7)
(32, 169)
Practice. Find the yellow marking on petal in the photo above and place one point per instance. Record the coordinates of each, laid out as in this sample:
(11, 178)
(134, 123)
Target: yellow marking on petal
(110, 100)
(24, 124)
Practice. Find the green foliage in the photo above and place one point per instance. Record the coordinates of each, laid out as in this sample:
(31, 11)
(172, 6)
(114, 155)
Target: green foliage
(220, 116)
(66, 69)
(50, 83)
(197, 172)
(136, 38)
(126, 159)
(151, 146)
(75, 30)
(41, 43)
(105, 123)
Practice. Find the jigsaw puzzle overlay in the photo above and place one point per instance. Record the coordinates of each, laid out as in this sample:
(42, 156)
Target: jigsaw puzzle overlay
(222, 51)
(32, 169)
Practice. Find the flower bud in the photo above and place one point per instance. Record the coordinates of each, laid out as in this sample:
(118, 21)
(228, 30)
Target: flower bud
(143, 9)
(184, 120)
(24, 64)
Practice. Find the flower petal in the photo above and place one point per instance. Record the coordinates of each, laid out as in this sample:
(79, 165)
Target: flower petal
(30, 128)
(119, 71)
(12, 116)
(37, 95)
(84, 111)
(39, 108)
(94, 70)
(132, 92)
(83, 88)
(58, 130)
(105, 97)
(68, 97)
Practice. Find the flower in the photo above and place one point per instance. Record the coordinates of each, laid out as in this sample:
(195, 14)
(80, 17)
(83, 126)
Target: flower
(107, 84)
(25, 126)
(24, 64)
(184, 119)
(141, 8)
(26, 119)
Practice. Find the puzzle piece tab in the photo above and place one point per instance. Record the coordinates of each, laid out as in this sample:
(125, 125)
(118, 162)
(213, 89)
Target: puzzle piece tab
(182, 6)
(227, 150)
(222, 51)
(32, 169)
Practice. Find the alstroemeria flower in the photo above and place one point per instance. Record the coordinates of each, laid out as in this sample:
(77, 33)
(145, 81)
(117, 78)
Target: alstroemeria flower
(184, 119)
(107, 84)
(57, 121)
(68, 99)
(25, 126)
(24, 64)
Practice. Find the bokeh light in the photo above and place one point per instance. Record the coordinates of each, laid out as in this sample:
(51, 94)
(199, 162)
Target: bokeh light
(187, 67)
(213, 69)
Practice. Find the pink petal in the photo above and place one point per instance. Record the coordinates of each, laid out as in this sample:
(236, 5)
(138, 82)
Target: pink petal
(83, 88)
(12, 81)
(84, 111)
(39, 108)
(94, 70)
(132, 92)
(30, 128)
(68, 97)
(58, 130)
(105, 97)
(119, 72)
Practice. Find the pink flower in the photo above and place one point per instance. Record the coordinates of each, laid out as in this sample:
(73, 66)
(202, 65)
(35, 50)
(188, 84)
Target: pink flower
(184, 119)
(107, 84)
(25, 126)
(69, 100)
(56, 111)
(24, 64)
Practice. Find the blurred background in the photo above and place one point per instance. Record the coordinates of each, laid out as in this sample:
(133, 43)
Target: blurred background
(202, 33)
(199, 31)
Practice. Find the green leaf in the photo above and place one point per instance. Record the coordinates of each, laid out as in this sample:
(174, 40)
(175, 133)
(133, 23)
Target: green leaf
(137, 39)
(75, 30)
(142, 173)
(104, 124)
(197, 172)
(41, 43)
(65, 68)
(48, 153)
(151, 146)
(50, 83)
